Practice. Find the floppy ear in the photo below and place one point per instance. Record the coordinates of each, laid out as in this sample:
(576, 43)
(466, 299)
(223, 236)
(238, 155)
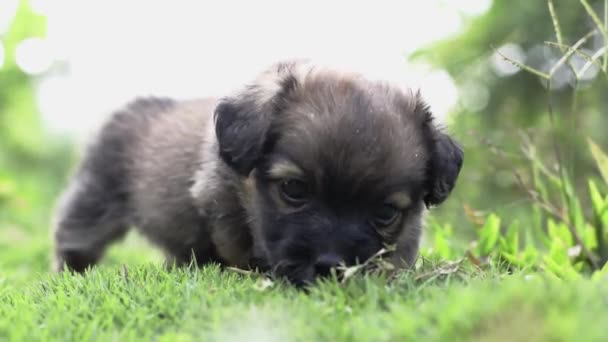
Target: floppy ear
(446, 157)
(445, 164)
(241, 126)
(243, 121)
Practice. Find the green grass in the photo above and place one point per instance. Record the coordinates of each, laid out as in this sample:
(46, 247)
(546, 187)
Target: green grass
(131, 297)
(143, 301)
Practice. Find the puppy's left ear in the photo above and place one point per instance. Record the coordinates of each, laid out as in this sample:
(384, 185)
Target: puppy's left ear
(445, 160)
(446, 156)
(243, 121)
(444, 168)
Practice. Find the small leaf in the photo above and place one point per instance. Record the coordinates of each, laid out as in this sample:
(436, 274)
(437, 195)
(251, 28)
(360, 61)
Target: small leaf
(564, 233)
(596, 198)
(489, 235)
(530, 255)
(385, 265)
(472, 215)
(473, 259)
(590, 237)
(601, 159)
(349, 272)
(576, 213)
(512, 237)
(449, 267)
(558, 253)
(552, 230)
(441, 244)
(564, 271)
(559, 231)
(512, 259)
(263, 284)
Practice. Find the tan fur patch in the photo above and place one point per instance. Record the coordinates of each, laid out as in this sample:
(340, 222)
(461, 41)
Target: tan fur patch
(285, 169)
(400, 199)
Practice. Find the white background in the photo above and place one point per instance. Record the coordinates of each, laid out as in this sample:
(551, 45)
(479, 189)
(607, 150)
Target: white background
(99, 54)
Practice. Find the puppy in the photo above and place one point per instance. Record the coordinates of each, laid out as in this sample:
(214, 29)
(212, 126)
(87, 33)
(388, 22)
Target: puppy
(301, 170)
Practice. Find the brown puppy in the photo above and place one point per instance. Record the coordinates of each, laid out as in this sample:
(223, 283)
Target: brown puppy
(303, 169)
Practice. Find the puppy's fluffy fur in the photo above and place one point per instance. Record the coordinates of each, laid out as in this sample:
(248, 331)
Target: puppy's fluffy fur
(302, 169)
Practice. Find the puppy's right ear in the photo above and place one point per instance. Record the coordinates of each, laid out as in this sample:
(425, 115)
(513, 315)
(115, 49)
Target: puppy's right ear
(241, 126)
(243, 121)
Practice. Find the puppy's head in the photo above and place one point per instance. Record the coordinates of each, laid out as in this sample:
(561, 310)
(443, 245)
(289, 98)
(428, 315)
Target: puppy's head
(340, 166)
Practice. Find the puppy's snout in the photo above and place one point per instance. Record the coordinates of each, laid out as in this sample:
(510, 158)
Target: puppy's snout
(325, 263)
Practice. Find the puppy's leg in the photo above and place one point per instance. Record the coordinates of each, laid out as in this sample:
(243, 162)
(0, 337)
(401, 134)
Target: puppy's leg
(93, 211)
(89, 218)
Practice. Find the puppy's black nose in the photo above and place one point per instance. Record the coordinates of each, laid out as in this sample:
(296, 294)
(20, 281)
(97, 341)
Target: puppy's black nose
(325, 263)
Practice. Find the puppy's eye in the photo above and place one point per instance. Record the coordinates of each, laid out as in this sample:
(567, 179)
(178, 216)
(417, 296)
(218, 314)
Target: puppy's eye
(385, 215)
(294, 191)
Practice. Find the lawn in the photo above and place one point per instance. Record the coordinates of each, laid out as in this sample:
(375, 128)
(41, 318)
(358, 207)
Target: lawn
(132, 297)
(448, 297)
(518, 253)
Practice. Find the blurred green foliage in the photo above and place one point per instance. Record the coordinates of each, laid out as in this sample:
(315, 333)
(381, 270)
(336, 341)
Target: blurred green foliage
(571, 244)
(21, 134)
(482, 274)
(517, 105)
(32, 163)
(565, 227)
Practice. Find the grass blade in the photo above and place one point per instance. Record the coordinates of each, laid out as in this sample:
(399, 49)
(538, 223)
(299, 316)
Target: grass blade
(596, 18)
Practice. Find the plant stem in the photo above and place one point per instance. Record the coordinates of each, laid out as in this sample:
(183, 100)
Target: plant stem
(565, 47)
(551, 210)
(525, 67)
(567, 55)
(601, 26)
(558, 32)
(601, 242)
(590, 256)
(605, 38)
(603, 51)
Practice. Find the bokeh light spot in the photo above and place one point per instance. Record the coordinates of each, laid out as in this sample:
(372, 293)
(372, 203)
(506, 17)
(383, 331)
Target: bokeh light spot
(474, 97)
(472, 7)
(33, 56)
(503, 67)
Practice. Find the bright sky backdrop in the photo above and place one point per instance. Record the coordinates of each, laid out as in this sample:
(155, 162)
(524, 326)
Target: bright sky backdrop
(99, 54)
